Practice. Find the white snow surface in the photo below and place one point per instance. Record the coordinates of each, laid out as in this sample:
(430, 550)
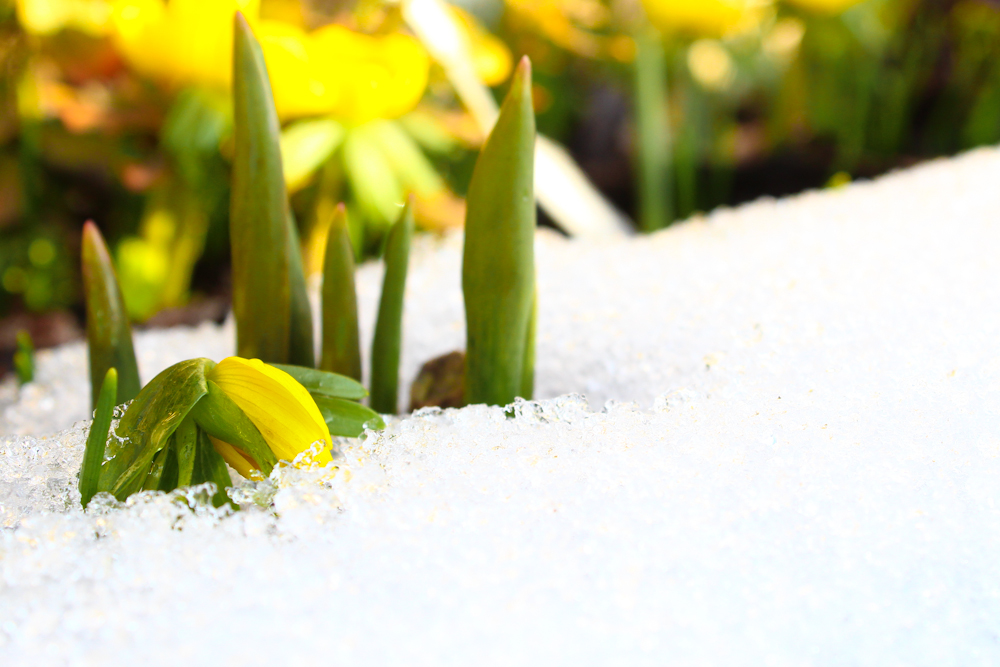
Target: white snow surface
(789, 457)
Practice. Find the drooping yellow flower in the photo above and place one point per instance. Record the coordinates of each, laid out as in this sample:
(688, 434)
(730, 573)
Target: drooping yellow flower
(330, 71)
(712, 18)
(826, 6)
(281, 409)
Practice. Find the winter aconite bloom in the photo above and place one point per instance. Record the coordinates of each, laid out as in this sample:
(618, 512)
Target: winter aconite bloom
(332, 70)
(281, 409)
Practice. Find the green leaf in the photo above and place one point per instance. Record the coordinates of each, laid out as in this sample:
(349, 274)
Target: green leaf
(259, 215)
(306, 146)
(324, 383)
(109, 335)
(148, 423)
(341, 350)
(347, 418)
(209, 466)
(220, 417)
(97, 438)
(498, 266)
(387, 343)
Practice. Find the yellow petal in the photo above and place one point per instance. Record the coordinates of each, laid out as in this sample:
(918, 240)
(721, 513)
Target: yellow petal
(280, 408)
(236, 459)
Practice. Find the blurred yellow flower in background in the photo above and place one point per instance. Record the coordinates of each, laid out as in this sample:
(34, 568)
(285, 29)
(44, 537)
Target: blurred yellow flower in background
(332, 70)
(711, 18)
(45, 17)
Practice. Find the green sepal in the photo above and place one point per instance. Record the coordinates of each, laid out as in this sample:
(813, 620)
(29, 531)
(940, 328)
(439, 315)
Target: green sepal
(169, 477)
(324, 383)
(219, 416)
(109, 334)
(209, 466)
(259, 214)
(148, 423)
(155, 475)
(387, 342)
(347, 418)
(341, 350)
(97, 438)
(186, 444)
(498, 265)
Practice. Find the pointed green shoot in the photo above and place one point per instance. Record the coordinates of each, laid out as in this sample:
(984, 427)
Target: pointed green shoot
(24, 358)
(498, 266)
(341, 352)
(302, 346)
(269, 302)
(109, 335)
(93, 455)
(387, 343)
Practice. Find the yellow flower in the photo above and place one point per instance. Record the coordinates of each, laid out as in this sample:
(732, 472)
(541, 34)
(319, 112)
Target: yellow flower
(332, 70)
(826, 6)
(281, 409)
(713, 18)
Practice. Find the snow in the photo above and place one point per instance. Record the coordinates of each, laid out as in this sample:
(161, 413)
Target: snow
(788, 455)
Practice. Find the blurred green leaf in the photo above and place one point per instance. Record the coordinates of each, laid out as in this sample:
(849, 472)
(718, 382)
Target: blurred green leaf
(306, 146)
(374, 182)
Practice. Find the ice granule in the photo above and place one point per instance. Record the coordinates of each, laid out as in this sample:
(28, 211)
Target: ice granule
(788, 454)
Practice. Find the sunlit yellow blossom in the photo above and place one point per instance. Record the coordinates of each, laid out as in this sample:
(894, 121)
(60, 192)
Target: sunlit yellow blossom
(336, 71)
(331, 70)
(281, 409)
(181, 42)
(826, 6)
(45, 17)
(705, 17)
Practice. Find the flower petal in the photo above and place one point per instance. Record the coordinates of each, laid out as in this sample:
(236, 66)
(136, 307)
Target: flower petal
(242, 464)
(281, 409)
